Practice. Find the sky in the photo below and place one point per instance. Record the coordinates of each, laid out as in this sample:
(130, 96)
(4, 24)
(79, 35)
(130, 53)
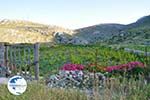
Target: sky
(74, 14)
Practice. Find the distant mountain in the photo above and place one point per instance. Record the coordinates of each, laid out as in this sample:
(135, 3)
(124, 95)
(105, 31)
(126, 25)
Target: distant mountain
(137, 32)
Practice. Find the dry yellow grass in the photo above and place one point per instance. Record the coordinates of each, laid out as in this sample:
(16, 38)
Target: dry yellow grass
(16, 31)
(128, 89)
(40, 92)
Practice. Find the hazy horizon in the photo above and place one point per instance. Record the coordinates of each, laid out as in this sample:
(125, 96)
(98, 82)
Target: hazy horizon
(75, 14)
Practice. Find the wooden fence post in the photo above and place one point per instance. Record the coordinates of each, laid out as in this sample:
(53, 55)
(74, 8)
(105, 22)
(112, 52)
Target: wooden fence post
(6, 56)
(36, 60)
(2, 55)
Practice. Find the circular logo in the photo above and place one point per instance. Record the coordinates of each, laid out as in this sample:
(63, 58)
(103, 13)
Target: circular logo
(17, 85)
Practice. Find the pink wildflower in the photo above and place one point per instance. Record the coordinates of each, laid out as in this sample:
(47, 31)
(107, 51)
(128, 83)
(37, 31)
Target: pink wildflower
(128, 66)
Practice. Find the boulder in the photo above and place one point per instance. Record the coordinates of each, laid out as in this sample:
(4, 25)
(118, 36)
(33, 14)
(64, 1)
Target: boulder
(63, 38)
(78, 41)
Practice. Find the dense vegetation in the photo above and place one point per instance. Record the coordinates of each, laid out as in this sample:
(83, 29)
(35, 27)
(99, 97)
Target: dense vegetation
(52, 58)
(118, 87)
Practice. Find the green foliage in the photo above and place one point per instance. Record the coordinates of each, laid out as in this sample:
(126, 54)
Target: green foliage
(52, 58)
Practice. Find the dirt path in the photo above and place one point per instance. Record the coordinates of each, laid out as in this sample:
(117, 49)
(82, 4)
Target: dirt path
(3, 80)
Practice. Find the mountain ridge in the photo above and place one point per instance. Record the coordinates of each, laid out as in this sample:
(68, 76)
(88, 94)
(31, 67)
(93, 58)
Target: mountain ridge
(20, 31)
(118, 33)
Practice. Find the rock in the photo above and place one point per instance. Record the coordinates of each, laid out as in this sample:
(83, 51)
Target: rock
(128, 50)
(78, 41)
(75, 79)
(63, 38)
(137, 52)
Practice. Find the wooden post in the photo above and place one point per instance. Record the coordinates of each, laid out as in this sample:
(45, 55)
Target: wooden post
(20, 60)
(29, 59)
(36, 60)
(6, 57)
(2, 50)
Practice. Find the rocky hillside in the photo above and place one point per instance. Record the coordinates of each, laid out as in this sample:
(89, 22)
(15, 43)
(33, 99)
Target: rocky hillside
(17, 31)
(137, 32)
(100, 32)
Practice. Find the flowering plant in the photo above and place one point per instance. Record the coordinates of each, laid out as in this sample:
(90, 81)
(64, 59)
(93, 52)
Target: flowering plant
(95, 68)
(128, 66)
(72, 67)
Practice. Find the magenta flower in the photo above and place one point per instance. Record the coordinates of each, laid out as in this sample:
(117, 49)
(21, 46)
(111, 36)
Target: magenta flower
(128, 66)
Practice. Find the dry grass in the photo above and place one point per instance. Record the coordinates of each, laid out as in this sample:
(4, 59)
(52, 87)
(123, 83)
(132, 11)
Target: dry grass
(40, 92)
(17, 31)
(127, 89)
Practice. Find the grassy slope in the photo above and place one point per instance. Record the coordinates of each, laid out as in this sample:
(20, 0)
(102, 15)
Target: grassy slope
(16, 31)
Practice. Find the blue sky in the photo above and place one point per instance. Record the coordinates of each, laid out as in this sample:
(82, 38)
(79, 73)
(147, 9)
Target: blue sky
(75, 13)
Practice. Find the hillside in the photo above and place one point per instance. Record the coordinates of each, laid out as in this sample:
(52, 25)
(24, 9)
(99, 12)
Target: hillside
(134, 33)
(17, 31)
(137, 32)
(100, 32)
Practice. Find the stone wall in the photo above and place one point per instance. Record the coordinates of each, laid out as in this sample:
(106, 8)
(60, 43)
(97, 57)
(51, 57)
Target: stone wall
(2, 52)
(138, 52)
